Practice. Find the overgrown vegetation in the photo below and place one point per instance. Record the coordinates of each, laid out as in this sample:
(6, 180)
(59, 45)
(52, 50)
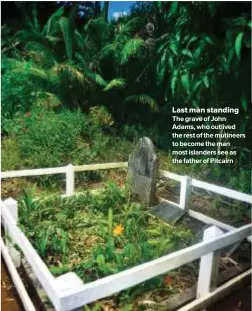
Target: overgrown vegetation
(73, 88)
(99, 234)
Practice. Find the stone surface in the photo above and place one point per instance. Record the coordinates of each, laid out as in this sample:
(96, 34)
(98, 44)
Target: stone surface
(168, 212)
(143, 172)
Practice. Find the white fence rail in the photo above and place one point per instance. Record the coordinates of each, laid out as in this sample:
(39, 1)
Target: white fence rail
(69, 170)
(20, 287)
(75, 297)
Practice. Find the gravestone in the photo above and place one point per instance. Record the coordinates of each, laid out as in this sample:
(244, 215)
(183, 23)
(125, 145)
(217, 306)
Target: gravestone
(143, 172)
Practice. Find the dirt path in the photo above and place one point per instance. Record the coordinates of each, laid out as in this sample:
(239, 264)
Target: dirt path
(10, 300)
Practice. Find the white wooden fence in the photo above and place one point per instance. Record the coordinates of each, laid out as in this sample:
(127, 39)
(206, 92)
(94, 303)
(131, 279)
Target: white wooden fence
(68, 292)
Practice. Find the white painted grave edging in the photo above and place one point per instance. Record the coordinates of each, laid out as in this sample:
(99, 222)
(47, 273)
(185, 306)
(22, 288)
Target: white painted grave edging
(69, 299)
(209, 265)
(76, 297)
(122, 280)
(13, 252)
(39, 267)
(26, 301)
(220, 292)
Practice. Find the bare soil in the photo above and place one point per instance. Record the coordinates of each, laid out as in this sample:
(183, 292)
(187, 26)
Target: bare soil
(10, 300)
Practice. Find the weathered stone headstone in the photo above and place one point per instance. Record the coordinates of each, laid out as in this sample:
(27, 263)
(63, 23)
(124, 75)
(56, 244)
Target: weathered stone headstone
(143, 172)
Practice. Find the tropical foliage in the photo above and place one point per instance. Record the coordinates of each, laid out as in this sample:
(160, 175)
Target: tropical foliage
(162, 54)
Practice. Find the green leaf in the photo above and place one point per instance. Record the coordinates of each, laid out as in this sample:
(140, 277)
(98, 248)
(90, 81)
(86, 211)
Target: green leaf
(173, 48)
(97, 307)
(173, 84)
(131, 48)
(187, 52)
(110, 219)
(48, 26)
(98, 79)
(238, 44)
(206, 81)
(209, 40)
(196, 86)
(185, 82)
(128, 307)
(250, 24)
(143, 99)
(171, 63)
(100, 259)
(230, 57)
(35, 16)
(115, 84)
(173, 9)
(244, 102)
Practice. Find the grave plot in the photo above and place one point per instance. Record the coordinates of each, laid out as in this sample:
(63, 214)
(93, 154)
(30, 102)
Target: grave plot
(127, 244)
(96, 235)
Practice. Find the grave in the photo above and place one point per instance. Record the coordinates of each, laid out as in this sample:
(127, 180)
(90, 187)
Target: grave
(143, 173)
(142, 181)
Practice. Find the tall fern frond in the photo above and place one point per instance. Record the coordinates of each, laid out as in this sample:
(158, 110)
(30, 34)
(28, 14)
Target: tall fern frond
(116, 84)
(144, 100)
(131, 48)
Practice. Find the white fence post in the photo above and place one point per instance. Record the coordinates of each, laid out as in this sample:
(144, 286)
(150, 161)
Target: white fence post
(12, 206)
(209, 265)
(185, 192)
(69, 179)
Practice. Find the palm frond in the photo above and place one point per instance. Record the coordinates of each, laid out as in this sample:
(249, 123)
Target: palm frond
(64, 25)
(108, 50)
(70, 71)
(67, 29)
(128, 28)
(131, 48)
(116, 84)
(98, 79)
(26, 36)
(41, 53)
(33, 71)
(144, 100)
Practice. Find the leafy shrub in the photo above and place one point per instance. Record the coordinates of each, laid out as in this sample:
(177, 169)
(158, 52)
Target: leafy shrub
(46, 138)
(17, 95)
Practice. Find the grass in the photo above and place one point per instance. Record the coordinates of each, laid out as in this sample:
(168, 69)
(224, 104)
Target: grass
(96, 235)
